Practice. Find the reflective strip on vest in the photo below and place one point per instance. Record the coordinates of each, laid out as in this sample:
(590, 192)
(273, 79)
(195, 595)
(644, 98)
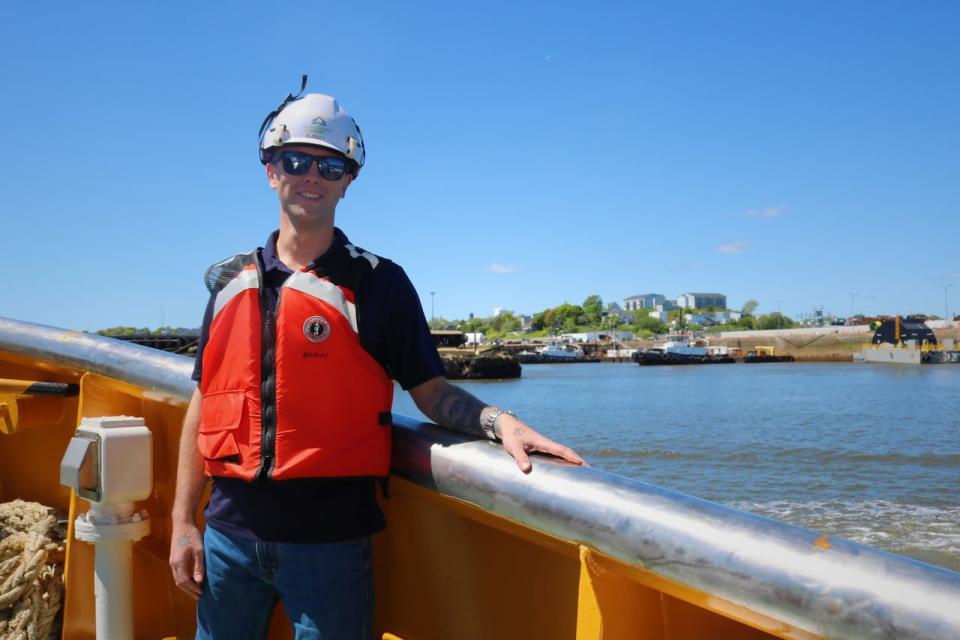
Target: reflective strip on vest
(322, 289)
(246, 279)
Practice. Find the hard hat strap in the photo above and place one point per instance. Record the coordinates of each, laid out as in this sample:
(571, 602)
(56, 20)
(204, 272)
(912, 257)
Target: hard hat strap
(290, 98)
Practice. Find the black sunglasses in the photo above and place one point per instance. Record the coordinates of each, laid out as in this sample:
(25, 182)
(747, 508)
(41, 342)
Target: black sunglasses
(298, 163)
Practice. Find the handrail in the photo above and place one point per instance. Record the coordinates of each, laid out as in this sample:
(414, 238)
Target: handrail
(827, 586)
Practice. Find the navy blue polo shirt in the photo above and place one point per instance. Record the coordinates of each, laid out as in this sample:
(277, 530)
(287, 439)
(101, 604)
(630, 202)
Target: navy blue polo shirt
(394, 331)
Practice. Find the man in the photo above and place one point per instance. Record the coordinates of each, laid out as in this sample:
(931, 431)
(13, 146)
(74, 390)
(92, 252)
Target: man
(299, 346)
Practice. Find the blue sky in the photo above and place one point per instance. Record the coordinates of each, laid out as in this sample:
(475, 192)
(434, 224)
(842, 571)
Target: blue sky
(520, 154)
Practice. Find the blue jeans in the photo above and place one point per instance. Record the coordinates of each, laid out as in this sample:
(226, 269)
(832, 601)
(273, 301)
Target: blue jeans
(326, 589)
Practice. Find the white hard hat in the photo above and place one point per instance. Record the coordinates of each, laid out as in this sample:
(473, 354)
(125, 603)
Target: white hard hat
(315, 119)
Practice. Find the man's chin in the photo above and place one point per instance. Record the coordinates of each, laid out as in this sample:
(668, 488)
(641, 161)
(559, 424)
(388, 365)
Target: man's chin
(303, 214)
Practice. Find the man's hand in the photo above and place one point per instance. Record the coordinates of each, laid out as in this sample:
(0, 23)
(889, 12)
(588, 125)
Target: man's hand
(520, 439)
(454, 408)
(186, 559)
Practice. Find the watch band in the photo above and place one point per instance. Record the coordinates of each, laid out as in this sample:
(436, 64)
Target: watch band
(489, 425)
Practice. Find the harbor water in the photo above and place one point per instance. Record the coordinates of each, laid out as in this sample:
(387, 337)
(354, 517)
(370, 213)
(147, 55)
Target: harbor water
(870, 453)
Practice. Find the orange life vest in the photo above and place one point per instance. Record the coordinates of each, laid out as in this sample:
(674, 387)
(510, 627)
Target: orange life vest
(291, 393)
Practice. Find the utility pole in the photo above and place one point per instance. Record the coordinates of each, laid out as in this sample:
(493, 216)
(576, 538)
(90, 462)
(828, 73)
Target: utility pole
(431, 306)
(852, 296)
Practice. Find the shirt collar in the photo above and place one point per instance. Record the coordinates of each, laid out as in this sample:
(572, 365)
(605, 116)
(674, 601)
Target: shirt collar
(271, 261)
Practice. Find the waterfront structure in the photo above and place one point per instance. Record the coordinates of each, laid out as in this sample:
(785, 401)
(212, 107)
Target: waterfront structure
(702, 300)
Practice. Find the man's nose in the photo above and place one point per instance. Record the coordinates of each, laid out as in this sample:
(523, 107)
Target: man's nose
(314, 171)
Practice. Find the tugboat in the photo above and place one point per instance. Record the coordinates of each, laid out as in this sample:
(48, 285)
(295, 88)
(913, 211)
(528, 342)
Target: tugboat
(557, 352)
(678, 350)
(565, 352)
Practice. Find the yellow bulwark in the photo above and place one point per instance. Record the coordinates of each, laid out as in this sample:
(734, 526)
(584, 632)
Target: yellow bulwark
(446, 567)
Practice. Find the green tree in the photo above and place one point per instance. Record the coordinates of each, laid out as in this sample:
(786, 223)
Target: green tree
(505, 322)
(593, 310)
(123, 331)
(749, 307)
(539, 321)
(650, 325)
(439, 323)
(474, 325)
(774, 320)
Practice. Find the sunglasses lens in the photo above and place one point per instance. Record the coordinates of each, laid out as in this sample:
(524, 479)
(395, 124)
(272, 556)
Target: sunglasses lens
(296, 163)
(332, 168)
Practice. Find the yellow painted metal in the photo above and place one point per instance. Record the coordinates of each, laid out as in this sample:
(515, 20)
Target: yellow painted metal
(20, 410)
(444, 568)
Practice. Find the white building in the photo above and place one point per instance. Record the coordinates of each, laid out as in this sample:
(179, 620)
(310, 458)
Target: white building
(643, 301)
(702, 300)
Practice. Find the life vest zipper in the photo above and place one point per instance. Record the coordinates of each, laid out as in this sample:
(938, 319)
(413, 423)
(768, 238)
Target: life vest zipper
(268, 382)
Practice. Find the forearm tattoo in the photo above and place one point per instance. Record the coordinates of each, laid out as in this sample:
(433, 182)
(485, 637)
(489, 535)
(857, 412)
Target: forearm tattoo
(458, 410)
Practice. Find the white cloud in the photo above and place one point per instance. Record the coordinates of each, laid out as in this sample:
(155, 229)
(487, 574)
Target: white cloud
(500, 268)
(732, 247)
(765, 212)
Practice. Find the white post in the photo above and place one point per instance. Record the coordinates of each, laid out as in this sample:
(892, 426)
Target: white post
(113, 587)
(109, 462)
(113, 567)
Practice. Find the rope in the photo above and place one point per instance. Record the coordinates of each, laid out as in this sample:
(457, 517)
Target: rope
(32, 553)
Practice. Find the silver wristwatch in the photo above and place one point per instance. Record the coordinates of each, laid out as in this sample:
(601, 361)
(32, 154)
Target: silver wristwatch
(491, 422)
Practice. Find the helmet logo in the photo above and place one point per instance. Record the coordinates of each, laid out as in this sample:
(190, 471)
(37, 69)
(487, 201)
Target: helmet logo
(320, 121)
(316, 329)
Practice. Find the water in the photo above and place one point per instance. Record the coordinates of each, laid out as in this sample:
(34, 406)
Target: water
(868, 453)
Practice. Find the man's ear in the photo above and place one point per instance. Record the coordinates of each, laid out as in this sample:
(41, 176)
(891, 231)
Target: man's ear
(347, 180)
(272, 177)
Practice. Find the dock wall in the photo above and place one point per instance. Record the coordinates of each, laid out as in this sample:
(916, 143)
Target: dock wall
(814, 344)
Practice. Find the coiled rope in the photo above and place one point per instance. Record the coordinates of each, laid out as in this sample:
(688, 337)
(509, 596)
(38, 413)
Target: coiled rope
(32, 551)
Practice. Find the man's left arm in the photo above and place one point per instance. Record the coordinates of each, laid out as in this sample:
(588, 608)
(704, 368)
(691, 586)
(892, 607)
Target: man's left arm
(454, 408)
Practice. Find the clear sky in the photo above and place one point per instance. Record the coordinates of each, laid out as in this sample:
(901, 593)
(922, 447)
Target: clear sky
(520, 154)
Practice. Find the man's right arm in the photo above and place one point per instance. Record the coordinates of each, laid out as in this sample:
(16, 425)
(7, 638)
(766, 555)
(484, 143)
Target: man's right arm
(186, 545)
